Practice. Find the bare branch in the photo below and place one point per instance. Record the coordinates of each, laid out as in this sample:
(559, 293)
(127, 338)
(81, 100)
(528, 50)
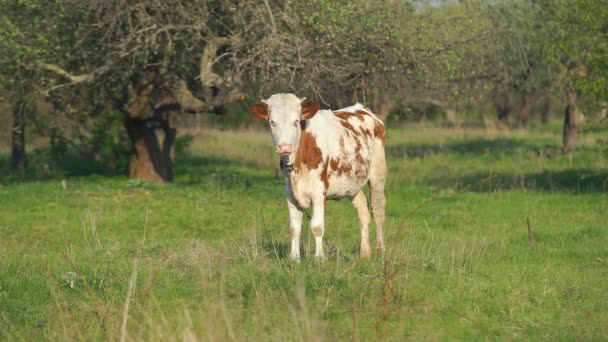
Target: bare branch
(184, 97)
(75, 79)
(65, 74)
(207, 76)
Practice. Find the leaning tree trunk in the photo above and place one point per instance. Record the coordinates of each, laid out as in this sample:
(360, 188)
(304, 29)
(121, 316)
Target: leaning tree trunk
(546, 114)
(150, 119)
(153, 103)
(448, 109)
(603, 112)
(502, 103)
(571, 121)
(152, 153)
(383, 103)
(18, 156)
(503, 116)
(450, 115)
(525, 109)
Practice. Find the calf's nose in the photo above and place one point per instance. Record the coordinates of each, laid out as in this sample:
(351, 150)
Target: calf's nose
(284, 148)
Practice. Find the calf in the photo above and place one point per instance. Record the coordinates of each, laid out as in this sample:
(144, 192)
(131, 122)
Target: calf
(327, 155)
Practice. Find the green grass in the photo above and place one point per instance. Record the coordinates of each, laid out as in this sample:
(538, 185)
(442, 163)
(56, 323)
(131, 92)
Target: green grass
(211, 248)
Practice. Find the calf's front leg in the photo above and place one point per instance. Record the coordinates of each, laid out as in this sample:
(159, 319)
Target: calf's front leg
(317, 224)
(295, 227)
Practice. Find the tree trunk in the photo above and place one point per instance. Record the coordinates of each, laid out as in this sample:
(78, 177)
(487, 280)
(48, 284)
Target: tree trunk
(502, 103)
(152, 153)
(450, 115)
(525, 109)
(150, 119)
(383, 103)
(603, 112)
(571, 121)
(546, 115)
(18, 156)
(503, 116)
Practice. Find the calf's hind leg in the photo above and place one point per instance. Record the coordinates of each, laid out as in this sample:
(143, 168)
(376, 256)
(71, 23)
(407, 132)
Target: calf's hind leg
(377, 180)
(360, 203)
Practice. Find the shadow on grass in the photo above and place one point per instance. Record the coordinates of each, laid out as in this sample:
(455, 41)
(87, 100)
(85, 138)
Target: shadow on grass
(228, 173)
(571, 181)
(477, 146)
(42, 164)
(280, 250)
(188, 170)
(194, 170)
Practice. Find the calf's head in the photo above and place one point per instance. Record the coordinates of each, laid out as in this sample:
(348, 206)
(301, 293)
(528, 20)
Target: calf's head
(284, 113)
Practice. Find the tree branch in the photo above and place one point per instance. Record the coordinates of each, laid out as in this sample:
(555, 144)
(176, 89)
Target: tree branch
(183, 96)
(65, 74)
(75, 79)
(207, 76)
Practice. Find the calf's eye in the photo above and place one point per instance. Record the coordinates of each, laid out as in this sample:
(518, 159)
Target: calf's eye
(297, 122)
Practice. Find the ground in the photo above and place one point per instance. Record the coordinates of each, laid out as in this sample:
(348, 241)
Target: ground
(490, 235)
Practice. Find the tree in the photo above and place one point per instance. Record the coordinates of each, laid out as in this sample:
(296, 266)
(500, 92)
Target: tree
(459, 71)
(15, 82)
(139, 57)
(578, 45)
(147, 62)
(18, 155)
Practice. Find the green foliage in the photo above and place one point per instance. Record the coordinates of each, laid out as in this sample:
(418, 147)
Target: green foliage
(572, 33)
(412, 52)
(182, 144)
(211, 248)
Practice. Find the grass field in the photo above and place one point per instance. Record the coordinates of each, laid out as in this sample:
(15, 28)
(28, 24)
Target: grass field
(100, 258)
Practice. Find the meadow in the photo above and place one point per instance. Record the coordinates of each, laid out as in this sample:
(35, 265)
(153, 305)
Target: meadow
(491, 235)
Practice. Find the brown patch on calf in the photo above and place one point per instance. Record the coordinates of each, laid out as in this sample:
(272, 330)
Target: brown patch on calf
(342, 115)
(333, 163)
(360, 114)
(324, 176)
(380, 132)
(359, 166)
(357, 147)
(317, 231)
(346, 168)
(366, 132)
(346, 115)
(338, 168)
(309, 153)
(260, 111)
(309, 109)
(348, 126)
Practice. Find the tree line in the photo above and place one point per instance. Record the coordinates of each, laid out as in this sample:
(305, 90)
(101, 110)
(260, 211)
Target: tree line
(118, 73)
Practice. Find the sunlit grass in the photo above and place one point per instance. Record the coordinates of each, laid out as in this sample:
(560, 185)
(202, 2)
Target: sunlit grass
(211, 248)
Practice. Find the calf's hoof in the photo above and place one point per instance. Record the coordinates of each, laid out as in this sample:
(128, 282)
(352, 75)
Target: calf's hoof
(320, 258)
(365, 253)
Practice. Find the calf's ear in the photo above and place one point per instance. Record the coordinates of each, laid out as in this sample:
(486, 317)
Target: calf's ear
(309, 109)
(260, 111)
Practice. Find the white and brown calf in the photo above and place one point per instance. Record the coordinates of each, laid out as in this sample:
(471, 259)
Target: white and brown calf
(327, 155)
